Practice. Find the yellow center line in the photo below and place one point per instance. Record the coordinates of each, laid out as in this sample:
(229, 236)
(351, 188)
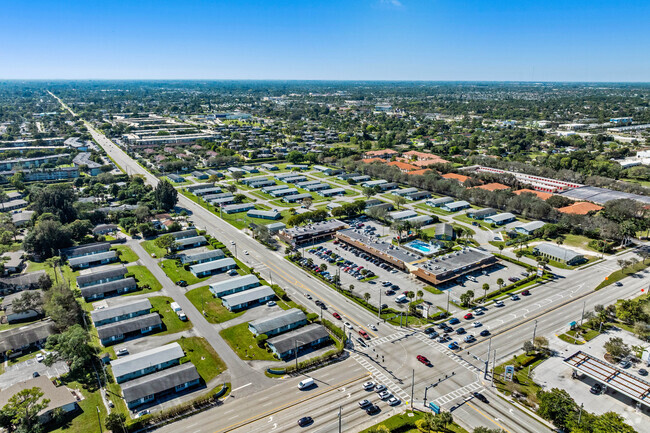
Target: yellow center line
(297, 283)
(290, 404)
(488, 417)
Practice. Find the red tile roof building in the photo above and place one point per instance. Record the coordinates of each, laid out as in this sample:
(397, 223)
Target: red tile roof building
(580, 208)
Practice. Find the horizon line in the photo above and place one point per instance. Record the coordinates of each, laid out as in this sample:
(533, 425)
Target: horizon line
(325, 80)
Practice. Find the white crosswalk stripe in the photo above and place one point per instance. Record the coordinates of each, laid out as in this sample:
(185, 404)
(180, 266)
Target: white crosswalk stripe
(445, 351)
(459, 393)
(382, 340)
(381, 377)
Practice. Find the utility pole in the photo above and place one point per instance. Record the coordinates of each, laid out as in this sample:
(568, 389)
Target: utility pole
(494, 361)
(99, 419)
(584, 305)
(448, 292)
(412, 387)
(379, 311)
(340, 418)
(534, 331)
(487, 359)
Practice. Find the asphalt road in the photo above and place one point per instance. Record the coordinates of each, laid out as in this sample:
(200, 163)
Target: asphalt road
(553, 305)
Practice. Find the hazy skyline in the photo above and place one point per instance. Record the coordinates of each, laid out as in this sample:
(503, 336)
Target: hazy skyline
(336, 40)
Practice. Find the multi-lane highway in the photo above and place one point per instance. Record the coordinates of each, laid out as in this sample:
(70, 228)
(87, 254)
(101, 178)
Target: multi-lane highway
(390, 357)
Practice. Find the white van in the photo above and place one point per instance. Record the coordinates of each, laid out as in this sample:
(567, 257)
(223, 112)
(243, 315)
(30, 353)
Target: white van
(175, 306)
(401, 298)
(306, 383)
(471, 278)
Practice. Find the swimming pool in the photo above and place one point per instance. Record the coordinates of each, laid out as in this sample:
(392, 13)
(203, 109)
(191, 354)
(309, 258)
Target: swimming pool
(423, 247)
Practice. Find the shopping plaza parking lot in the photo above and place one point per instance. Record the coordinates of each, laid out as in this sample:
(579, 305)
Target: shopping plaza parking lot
(408, 282)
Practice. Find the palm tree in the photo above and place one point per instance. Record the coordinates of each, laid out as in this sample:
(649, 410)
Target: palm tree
(420, 294)
(486, 287)
(366, 296)
(500, 283)
(351, 287)
(501, 248)
(519, 253)
(460, 232)
(52, 263)
(446, 419)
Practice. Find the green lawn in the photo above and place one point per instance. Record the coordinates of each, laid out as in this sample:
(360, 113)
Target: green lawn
(199, 352)
(143, 276)
(524, 385)
(401, 423)
(63, 271)
(215, 312)
(242, 342)
(87, 420)
(177, 272)
(620, 274)
(433, 290)
(173, 324)
(151, 248)
(467, 220)
(127, 255)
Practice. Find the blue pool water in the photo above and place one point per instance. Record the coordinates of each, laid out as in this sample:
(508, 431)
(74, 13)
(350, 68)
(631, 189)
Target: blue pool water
(423, 247)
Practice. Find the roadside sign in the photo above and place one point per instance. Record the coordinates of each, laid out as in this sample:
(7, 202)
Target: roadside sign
(435, 408)
(510, 371)
(540, 272)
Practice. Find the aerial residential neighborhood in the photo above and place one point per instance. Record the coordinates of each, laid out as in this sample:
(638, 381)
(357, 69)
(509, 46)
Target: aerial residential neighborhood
(368, 217)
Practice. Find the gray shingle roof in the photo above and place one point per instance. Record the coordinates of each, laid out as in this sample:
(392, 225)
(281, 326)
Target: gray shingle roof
(148, 358)
(278, 320)
(304, 336)
(112, 272)
(90, 258)
(159, 382)
(215, 264)
(120, 310)
(212, 254)
(233, 283)
(129, 325)
(87, 249)
(111, 286)
(184, 234)
(249, 295)
(192, 240)
(23, 336)
(557, 252)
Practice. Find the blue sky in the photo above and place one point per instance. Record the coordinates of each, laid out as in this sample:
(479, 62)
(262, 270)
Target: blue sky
(520, 40)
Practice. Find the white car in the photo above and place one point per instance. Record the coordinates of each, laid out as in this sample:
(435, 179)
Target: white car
(379, 387)
(141, 414)
(477, 324)
(245, 252)
(122, 352)
(393, 401)
(364, 403)
(307, 295)
(348, 325)
(373, 327)
(40, 357)
(271, 304)
(385, 395)
(368, 385)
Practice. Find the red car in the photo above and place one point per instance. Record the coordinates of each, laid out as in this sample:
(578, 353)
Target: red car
(364, 334)
(424, 360)
(468, 316)
(336, 315)
(525, 293)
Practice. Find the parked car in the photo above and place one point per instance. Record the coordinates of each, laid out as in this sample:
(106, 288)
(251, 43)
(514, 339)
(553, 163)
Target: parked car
(181, 283)
(596, 389)
(454, 321)
(453, 346)
(424, 360)
(393, 401)
(123, 351)
(379, 387)
(525, 293)
(468, 316)
(460, 331)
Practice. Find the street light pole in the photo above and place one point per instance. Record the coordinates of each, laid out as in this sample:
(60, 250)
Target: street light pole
(99, 419)
(534, 331)
(448, 292)
(584, 305)
(340, 418)
(412, 386)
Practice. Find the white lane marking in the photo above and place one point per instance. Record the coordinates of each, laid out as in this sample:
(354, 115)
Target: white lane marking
(241, 387)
